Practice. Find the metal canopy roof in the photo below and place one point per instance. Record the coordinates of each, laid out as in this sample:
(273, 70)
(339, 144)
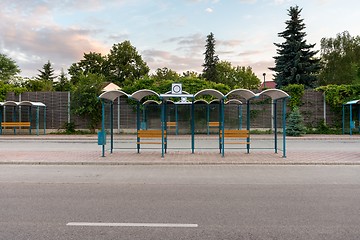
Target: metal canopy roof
(353, 102)
(274, 94)
(234, 101)
(212, 92)
(140, 94)
(112, 95)
(148, 102)
(244, 93)
(22, 103)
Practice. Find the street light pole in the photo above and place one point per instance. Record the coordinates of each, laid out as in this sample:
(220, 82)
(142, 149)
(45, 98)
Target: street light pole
(264, 74)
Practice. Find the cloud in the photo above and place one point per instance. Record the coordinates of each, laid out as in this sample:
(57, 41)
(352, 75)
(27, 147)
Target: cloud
(209, 10)
(159, 59)
(31, 38)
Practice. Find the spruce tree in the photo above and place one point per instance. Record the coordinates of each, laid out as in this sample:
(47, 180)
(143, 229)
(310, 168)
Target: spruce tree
(209, 72)
(295, 126)
(296, 62)
(47, 74)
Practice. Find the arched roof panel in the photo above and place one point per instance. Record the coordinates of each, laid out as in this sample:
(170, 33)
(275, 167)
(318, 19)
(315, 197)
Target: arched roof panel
(244, 93)
(148, 102)
(200, 101)
(353, 102)
(234, 101)
(112, 94)
(211, 92)
(274, 94)
(140, 94)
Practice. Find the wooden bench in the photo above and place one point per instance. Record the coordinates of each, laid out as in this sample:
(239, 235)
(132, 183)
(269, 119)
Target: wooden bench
(171, 124)
(213, 124)
(235, 136)
(15, 124)
(149, 134)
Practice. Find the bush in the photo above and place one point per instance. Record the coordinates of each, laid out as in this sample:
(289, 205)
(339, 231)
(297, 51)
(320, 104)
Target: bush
(295, 125)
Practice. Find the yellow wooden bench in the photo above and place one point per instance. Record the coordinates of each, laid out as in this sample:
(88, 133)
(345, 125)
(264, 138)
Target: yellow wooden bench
(234, 135)
(149, 135)
(213, 124)
(171, 124)
(15, 124)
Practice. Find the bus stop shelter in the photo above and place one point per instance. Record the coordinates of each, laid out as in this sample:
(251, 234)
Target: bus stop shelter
(277, 96)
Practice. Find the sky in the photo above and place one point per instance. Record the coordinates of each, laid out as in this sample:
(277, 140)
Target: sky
(166, 33)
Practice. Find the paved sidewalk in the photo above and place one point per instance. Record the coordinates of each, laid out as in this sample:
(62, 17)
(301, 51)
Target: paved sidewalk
(83, 150)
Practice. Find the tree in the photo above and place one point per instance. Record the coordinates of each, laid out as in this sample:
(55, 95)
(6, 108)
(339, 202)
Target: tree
(209, 71)
(8, 68)
(295, 126)
(47, 74)
(236, 77)
(341, 60)
(85, 102)
(165, 74)
(296, 62)
(91, 63)
(124, 64)
(63, 83)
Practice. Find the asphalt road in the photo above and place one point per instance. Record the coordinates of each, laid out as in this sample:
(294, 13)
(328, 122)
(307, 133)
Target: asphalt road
(201, 202)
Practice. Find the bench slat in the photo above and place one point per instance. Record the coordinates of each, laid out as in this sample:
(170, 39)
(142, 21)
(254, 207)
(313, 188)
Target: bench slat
(15, 124)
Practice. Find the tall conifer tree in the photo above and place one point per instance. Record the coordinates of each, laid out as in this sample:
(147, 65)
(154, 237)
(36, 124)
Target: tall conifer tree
(296, 62)
(209, 72)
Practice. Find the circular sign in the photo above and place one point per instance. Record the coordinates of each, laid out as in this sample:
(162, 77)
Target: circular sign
(176, 89)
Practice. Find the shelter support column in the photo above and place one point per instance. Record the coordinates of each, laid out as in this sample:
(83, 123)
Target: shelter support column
(284, 127)
(275, 125)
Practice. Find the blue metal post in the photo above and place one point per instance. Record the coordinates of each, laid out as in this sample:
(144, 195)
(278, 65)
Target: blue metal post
(192, 126)
(164, 123)
(103, 125)
(1, 114)
(275, 126)
(138, 126)
(284, 127)
(222, 124)
(30, 119)
(162, 119)
(343, 119)
(351, 117)
(14, 118)
(37, 120)
(111, 126)
(176, 120)
(44, 120)
(248, 124)
(208, 118)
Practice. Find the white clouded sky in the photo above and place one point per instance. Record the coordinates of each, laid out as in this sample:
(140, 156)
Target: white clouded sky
(166, 33)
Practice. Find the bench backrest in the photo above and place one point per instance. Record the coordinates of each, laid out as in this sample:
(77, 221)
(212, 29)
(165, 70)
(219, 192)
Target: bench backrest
(150, 133)
(15, 124)
(233, 133)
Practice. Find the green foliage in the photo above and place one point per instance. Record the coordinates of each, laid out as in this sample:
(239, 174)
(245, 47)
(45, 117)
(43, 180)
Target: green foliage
(124, 64)
(296, 92)
(295, 125)
(322, 128)
(69, 127)
(5, 88)
(236, 77)
(296, 62)
(85, 102)
(341, 60)
(210, 61)
(336, 95)
(8, 68)
(165, 74)
(47, 74)
(63, 85)
(91, 63)
(37, 85)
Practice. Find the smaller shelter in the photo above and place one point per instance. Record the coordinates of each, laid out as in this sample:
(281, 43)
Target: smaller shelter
(21, 115)
(352, 123)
